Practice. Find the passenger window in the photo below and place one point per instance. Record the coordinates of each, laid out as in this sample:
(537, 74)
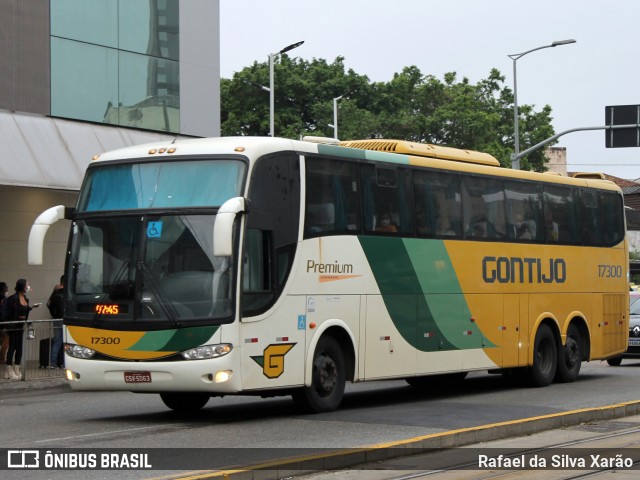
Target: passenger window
(524, 212)
(386, 194)
(332, 200)
(483, 207)
(591, 231)
(560, 219)
(613, 218)
(437, 198)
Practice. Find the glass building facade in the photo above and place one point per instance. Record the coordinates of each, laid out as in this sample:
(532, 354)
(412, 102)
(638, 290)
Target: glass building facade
(116, 62)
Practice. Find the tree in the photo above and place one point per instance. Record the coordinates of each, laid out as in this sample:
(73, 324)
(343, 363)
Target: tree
(412, 106)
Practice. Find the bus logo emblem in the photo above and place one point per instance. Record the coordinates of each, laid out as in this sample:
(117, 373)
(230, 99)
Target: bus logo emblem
(272, 362)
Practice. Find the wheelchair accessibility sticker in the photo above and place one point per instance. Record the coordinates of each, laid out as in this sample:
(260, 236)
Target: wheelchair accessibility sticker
(154, 229)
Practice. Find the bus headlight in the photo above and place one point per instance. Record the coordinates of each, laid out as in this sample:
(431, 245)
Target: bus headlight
(78, 351)
(207, 351)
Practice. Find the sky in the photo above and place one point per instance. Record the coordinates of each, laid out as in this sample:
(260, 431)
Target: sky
(379, 38)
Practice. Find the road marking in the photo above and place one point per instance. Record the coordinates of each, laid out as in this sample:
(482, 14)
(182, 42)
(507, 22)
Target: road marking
(103, 433)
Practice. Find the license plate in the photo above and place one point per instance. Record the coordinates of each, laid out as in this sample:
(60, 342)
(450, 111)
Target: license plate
(634, 342)
(137, 377)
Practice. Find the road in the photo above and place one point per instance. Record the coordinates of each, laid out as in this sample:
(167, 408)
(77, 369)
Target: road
(253, 429)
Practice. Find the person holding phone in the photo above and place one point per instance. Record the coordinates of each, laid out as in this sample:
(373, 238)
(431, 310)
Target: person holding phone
(17, 308)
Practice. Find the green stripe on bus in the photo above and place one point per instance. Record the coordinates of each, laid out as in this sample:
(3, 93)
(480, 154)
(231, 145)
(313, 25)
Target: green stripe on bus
(444, 295)
(401, 291)
(174, 340)
(191, 337)
(422, 293)
(361, 154)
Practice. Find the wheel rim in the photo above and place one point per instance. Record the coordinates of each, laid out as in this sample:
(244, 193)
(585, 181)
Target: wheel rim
(543, 356)
(326, 375)
(572, 352)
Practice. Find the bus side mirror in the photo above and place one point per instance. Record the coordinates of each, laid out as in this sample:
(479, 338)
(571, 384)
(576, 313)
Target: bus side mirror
(39, 231)
(223, 228)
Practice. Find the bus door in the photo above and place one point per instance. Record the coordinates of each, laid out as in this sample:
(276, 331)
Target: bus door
(488, 334)
(273, 346)
(511, 330)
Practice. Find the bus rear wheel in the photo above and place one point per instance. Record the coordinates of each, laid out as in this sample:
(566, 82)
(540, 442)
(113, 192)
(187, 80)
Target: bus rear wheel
(327, 379)
(185, 402)
(545, 358)
(570, 356)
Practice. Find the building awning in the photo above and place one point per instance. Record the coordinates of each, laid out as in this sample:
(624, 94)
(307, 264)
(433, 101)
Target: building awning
(45, 152)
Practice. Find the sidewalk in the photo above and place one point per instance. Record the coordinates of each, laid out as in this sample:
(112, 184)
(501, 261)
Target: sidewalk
(7, 386)
(35, 378)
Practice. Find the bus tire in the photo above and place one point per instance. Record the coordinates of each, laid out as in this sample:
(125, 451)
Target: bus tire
(545, 358)
(328, 378)
(184, 402)
(570, 356)
(615, 361)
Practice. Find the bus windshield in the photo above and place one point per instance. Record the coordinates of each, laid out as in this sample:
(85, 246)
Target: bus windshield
(156, 269)
(166, 184)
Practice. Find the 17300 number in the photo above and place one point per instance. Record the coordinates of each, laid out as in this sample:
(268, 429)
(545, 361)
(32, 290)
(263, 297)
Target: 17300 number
(105, 340)
(609, 271)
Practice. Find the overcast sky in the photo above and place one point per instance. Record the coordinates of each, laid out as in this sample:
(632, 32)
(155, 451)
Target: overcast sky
(378, 38)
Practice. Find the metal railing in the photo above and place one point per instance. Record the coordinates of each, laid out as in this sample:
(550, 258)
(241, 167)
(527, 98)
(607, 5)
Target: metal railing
(37, 338)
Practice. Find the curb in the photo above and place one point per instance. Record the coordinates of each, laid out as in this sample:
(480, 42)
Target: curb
(9, 386)
(291, 467)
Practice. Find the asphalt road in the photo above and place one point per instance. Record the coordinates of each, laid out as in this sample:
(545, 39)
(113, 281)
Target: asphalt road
(253, 429)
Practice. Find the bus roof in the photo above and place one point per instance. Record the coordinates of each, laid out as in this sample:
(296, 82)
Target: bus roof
(385, 150)
(423, 150)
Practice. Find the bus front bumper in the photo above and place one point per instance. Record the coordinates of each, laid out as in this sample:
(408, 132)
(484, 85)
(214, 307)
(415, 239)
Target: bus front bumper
(215, 376)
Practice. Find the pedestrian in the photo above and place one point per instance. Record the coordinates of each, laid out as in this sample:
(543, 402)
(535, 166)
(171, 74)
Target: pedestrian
(4, 336)
(55, 305)
(17, 310)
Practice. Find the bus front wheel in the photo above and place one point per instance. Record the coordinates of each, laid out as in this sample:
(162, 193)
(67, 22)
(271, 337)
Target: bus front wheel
(327, 379)
(185, 402)
(570, 356)
(545, 358)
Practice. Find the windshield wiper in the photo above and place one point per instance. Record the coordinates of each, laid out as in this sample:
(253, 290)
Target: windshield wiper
(121, 287)
(167, 308)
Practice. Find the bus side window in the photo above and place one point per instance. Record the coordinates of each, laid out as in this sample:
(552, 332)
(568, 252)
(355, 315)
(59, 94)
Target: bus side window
(560, 217)
(424, 202)
(524, 216)
(272, 230)
(444, 202)
(320, 217)
(257, 283)
(483, 207)
(612, 224)
(591, 232)
(332, 202)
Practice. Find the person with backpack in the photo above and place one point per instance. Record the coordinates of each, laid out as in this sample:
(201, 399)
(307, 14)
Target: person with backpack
(55, 305)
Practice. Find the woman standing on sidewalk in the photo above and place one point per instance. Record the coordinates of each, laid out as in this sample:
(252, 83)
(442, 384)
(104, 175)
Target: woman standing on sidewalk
(17, 308)
(4, 336)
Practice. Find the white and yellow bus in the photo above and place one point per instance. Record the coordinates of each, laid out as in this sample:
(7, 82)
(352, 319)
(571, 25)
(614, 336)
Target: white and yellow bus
(266, 266)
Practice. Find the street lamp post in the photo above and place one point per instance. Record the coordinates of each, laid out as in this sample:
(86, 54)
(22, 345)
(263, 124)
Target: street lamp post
(515, 161)
(335, 116)
(271, 91)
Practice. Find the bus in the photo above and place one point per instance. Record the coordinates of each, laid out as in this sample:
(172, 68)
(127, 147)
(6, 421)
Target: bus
(264, 266)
